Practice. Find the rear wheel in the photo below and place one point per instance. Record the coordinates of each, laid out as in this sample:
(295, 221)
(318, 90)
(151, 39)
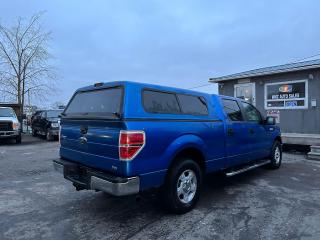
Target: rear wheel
(276, 155)
(182, 187)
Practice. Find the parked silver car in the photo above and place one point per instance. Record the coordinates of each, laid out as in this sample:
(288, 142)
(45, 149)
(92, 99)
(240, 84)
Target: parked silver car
(9, 124)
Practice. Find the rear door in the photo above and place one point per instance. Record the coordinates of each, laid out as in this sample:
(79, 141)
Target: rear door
(236, 133)
(90, 128)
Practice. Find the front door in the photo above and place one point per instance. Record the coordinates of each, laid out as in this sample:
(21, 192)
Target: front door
(236, 133)
(259, 138)
(245, 91)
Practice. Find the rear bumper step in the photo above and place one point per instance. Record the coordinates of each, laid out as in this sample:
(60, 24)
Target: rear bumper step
(87, 178)
(247, 168)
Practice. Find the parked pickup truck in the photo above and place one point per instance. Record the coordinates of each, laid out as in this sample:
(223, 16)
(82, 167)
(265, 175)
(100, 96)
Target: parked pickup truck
(10, 127)
(124, 138)
(46, 123)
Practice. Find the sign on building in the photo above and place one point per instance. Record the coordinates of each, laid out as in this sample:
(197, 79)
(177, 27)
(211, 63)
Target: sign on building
(286, 95)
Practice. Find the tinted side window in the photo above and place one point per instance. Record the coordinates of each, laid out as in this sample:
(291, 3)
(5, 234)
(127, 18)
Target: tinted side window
(192, 105)
(251, 113)
(232, 109)
(160, 102)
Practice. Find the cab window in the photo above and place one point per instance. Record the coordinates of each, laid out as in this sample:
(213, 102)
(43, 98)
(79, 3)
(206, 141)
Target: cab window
(251, 113)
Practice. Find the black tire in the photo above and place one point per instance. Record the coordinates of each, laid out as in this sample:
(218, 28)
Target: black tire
(34, 132)
(276, 155)
(171, 200)
(18, 139)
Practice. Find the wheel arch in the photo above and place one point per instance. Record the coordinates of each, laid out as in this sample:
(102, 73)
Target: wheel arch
(278, 138)
(189, 152)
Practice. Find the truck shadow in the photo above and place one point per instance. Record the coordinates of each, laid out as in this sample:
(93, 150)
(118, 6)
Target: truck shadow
(132, 216)
(214, 190)
(219, 188)
(219, 180)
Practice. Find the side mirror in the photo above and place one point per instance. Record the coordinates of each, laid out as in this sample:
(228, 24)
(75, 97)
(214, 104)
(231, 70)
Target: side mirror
(270, 121)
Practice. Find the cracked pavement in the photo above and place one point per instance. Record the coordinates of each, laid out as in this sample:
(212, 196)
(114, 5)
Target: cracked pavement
(37, 203)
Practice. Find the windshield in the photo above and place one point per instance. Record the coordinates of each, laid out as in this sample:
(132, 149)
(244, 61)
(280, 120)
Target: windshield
(106, 102)
(53, 113)
(7, 112)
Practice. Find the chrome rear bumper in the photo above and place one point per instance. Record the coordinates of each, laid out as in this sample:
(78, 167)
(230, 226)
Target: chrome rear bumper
(130, 186)
(89, 179)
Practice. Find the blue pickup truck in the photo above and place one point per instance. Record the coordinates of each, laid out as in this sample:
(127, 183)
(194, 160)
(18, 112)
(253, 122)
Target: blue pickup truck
(124, 138)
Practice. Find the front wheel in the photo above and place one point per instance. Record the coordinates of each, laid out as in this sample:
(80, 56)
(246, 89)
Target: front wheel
(18, 139)
(182, 187)
(276, 155)
(34, 132)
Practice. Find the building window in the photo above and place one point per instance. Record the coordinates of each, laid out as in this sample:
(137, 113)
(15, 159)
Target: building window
(286, 95)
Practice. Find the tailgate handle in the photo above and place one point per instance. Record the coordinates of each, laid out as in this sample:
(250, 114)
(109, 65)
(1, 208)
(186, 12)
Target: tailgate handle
(83, 140)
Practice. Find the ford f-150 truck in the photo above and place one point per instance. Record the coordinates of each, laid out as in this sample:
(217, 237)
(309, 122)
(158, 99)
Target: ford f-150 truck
(124, 138)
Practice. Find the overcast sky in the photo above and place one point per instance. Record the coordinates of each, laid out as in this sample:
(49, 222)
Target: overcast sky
(175, 43)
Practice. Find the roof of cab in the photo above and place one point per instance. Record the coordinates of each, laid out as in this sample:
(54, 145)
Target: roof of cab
(143, 85)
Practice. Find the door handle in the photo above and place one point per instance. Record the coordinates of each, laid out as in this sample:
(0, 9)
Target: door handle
(230, 132)
(251, 131)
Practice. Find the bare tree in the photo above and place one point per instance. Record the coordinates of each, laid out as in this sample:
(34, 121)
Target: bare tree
(24, 60)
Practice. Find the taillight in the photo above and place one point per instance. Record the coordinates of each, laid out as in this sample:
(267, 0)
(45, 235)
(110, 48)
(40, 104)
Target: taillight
(130, 144)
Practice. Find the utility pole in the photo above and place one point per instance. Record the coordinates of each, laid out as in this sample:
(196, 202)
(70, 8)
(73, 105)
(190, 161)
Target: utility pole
(29, 103)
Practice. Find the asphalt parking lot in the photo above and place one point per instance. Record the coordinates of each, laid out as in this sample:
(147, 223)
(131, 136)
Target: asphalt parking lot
(37, 203)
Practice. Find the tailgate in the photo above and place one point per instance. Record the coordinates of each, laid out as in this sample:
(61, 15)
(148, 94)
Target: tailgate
(90, 128)
(93, 143)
